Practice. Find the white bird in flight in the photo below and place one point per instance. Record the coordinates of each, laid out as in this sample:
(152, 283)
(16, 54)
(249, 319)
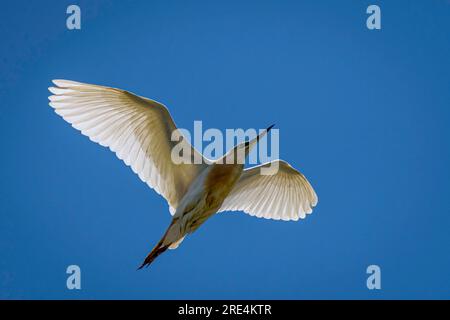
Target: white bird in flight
(139, 131)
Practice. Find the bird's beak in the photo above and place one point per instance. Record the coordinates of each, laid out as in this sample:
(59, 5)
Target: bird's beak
(249, 146)
(262, 134)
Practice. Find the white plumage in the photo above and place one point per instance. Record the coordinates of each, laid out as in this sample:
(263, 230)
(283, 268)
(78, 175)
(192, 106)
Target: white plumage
(138, 130)
(286, 195)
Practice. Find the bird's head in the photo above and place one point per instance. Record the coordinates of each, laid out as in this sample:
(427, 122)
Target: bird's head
(240, 152)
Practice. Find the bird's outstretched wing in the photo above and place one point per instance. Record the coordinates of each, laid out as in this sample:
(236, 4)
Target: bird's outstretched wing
(137, 129)
(285, 195)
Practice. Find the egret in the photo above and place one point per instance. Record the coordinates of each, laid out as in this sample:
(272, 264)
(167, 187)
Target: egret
(139, 131)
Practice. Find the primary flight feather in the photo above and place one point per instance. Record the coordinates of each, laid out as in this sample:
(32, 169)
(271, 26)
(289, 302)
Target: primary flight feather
(140, 131)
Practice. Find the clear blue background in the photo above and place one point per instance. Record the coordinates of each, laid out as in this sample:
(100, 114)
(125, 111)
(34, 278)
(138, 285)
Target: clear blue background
(363, 114)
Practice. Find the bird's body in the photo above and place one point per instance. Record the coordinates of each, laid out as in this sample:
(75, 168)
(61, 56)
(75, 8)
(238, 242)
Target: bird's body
(203, 199)
(140, 132)
(206, 195)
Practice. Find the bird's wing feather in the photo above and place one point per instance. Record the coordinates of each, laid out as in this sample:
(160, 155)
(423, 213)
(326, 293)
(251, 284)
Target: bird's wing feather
(285, 195)
(137, 129)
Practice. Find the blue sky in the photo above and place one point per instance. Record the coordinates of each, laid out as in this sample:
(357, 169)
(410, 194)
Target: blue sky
(363, 114)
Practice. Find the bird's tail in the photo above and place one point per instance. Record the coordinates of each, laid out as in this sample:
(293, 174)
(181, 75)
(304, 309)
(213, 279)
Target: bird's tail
(157, 250)
(162, 246)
